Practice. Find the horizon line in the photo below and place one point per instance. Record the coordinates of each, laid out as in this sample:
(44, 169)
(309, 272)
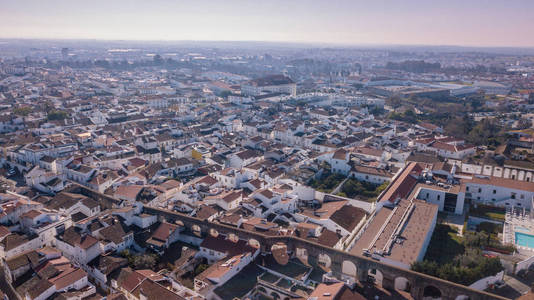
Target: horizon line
(267, 42)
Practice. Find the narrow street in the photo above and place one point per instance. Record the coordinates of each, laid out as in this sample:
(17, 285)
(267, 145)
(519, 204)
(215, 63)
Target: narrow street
(6, 287)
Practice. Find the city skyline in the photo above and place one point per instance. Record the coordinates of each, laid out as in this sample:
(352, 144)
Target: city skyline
(273, 150)
(475, 23)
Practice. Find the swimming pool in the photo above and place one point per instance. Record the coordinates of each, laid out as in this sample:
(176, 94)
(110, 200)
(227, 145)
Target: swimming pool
(523, 239)
(521, 228)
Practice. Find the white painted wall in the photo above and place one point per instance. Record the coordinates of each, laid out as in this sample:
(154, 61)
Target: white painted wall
(484, 283)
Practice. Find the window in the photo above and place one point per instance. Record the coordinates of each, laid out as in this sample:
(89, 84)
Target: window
(512, 196)
(467, 189)
(480, 190)
(494, 191)
(439, 196)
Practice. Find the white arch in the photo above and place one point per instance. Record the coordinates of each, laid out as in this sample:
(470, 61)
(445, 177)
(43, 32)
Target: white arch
(432, 293)
(196, 230)
(254, 243)
(214, 232)
(376, 275)
(349, 268)
(401, 283)
(233, 237)
(302, 255)
(324, 260)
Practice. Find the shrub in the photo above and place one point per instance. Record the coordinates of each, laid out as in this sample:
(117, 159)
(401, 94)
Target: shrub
(201, 268)
(466, 271)
(145, 261)
(22, 111)
(57, 115)
(458, 259)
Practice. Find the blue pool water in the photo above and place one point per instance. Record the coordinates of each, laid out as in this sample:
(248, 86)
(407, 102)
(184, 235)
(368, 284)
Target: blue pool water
(525, 240)
(521, 228)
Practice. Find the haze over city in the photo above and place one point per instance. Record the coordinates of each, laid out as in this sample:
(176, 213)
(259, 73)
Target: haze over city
(412, 22)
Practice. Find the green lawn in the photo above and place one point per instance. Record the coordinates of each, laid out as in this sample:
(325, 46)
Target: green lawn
(445, 245)
(457, 258)
(488, 212)
(353, 188)
(327, 182)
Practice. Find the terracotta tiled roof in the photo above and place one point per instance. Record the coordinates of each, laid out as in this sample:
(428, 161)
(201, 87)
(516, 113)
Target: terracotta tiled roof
(164, 231)
(68, 278)
(403, 184)
(224, 245)
(348, 217)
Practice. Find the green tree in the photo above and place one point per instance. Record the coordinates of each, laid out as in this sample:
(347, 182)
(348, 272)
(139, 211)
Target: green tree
(144, 261)
(158, 60)
(22, 111)
(426, 266)
(476, 104)
(459, 126)
(57, 115)
(486, 132)
(201, 268)
(382, 187)
(224, 94)
(489, 227)
(394, 101)
(407, 116)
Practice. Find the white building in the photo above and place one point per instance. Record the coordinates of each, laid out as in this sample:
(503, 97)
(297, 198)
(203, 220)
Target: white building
(369, 174)
(80, 248)
(497, 191)
(270, 84)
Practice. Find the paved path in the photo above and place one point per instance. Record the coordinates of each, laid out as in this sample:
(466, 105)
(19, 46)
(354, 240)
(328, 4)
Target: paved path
(456, 221)
(517, 285)
(338, 187)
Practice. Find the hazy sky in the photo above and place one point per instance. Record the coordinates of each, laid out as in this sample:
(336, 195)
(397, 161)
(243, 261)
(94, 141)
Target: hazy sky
(428, 22)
